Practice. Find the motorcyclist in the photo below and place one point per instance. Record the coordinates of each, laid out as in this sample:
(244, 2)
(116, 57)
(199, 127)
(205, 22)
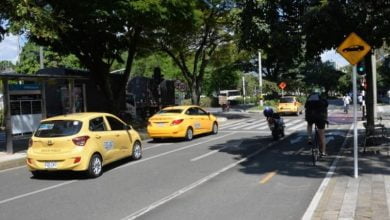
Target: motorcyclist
(275, 122)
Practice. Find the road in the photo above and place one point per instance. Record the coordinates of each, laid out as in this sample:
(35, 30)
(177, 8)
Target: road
(240, 173)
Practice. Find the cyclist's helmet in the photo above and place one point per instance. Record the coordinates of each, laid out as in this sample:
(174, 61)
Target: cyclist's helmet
(268, 112)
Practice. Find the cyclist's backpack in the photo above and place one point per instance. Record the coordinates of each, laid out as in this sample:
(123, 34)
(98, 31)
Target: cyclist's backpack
(316, 108)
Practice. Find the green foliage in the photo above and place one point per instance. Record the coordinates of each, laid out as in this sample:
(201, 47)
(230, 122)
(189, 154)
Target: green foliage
(274, 28)
(6, 66)
(327, 23)
(29, 59)
(144, 66)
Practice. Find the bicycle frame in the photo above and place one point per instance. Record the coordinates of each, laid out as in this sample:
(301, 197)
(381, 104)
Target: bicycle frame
(315, 147)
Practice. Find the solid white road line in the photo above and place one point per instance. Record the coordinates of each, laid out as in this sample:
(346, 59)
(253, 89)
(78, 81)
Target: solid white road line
(130, 164)
(37, 191)
(13, 168)
(172, 151)
(317, 197)
(172, 196)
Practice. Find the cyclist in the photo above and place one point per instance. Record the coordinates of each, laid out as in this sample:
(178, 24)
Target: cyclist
(316, 112)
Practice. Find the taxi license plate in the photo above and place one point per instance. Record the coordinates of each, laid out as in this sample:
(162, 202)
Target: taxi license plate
(160, 124)
(50, 165)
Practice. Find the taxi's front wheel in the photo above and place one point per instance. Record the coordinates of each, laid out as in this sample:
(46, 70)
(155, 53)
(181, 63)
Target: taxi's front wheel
(95, 168)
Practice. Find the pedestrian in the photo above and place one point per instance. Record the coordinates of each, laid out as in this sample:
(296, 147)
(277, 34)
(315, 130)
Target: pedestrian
(347, 100)
(360, 100)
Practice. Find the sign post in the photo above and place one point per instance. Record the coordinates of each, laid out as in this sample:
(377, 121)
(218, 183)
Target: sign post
(353, 49)
(282, 85)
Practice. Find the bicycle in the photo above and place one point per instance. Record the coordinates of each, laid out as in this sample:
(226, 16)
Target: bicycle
(315, 145)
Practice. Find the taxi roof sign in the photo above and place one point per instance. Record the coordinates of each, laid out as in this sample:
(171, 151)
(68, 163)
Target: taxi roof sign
(353, 48)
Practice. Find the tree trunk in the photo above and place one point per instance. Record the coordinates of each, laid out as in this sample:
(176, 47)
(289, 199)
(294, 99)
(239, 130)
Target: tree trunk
(195, 94)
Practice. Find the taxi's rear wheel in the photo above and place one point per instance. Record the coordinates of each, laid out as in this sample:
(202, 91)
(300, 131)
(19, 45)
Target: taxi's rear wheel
(95, 168)
(37, 174)
(189, 134)
(215, 128)
(137, 151)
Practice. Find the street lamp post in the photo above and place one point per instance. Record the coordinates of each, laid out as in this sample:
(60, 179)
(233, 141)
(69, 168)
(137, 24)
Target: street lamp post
(260, 81)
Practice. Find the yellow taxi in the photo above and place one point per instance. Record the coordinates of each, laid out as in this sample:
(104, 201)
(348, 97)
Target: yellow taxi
(289, 105)
(181, 122)
(81, 142)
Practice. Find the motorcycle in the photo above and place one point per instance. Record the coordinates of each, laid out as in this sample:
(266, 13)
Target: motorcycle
(276, 125)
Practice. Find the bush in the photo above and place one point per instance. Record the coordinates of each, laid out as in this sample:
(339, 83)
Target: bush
(204, 102)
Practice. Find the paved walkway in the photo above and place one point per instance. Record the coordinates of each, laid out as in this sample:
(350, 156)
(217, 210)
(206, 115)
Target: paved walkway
(343, 197)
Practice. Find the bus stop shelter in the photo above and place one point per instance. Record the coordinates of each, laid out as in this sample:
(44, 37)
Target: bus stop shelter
(41, 78)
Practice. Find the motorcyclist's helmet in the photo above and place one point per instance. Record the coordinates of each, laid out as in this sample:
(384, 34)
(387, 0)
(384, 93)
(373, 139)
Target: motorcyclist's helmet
(268, 112)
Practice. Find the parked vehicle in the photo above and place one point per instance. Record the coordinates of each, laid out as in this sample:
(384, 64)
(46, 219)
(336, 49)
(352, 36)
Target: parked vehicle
(81, 142)
(181, 122)
(275, 123)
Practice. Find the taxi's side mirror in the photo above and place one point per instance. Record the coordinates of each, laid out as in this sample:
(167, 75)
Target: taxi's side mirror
(127, 127)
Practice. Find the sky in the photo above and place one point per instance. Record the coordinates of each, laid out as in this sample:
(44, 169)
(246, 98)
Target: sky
(9, 48)
(9, 51)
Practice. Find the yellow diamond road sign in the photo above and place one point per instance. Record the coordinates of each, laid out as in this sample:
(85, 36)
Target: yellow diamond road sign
(353, 48)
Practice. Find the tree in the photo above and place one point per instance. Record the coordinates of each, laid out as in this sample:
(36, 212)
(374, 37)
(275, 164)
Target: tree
(191, 45)
(6, 66)
(275, 29)
(323, 75)
(29, 59)
(97, 33)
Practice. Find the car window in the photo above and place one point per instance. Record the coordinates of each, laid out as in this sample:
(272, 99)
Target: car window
(115, 124)
(174, 111)
(97, 124)
(201, 111)
(192, 111)
(58, 128)
(287, 100)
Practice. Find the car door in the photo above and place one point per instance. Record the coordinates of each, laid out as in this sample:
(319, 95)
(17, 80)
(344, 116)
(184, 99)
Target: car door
(204, 120)
(195, 120)
(103, 138)
(122, 137)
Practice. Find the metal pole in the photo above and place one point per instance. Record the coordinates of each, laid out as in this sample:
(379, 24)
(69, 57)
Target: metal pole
(243, 87)
(260, 81)
(355, 134)
(374, 88)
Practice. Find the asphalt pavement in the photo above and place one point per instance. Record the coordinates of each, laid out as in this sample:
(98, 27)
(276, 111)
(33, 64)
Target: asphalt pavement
(241, 173)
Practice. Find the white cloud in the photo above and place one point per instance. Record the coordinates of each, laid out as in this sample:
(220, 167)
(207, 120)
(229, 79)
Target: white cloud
(332, 55)
(9, 48)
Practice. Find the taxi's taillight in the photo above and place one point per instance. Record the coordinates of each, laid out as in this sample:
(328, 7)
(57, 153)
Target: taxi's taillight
(80, 141)
(177, 121)
(30, 142)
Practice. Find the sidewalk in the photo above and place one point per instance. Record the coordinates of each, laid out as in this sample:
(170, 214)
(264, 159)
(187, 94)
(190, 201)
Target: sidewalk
(343, 197)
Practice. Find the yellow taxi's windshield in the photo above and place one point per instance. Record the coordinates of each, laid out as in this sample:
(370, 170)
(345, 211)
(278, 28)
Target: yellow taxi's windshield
(286, 100)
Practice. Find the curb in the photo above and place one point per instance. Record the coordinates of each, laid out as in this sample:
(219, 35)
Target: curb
(20, 160)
